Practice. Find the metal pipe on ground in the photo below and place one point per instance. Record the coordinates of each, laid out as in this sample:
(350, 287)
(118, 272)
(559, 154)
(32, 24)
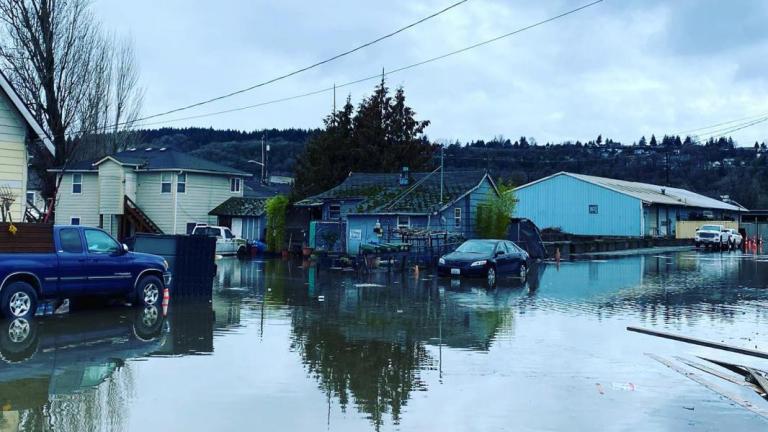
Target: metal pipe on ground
(701, 342)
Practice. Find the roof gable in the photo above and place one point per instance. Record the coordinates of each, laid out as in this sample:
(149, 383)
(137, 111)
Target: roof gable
(26, 113)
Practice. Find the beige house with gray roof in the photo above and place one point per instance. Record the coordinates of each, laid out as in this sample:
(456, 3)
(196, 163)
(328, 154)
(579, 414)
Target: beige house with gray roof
(145, 190)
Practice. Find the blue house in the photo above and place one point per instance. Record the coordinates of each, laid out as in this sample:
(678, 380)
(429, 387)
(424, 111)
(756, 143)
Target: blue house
(595, 206)
(369, 208)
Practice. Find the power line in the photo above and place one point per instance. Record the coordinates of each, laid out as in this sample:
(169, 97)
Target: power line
(379, 75)
(749, 118)
(306, 68)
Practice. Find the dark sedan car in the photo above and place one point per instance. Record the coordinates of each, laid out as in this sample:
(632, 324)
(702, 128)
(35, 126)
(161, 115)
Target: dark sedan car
(486, 258)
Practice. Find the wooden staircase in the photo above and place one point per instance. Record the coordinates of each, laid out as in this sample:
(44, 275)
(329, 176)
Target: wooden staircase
(133, 215)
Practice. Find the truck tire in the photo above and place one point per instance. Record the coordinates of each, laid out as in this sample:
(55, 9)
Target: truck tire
(19, 300)
(149, 291)
(18, 339)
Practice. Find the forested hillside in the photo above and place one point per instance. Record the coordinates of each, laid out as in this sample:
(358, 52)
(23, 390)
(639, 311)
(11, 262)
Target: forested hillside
(714, 168)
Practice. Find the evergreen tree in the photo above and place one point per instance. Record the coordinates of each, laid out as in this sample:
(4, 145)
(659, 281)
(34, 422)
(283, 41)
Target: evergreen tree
(381, 136)
(653, 141)
(642, 141)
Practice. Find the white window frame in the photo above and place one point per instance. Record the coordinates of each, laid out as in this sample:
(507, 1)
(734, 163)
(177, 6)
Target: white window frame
(330, 212)
(164, 182)
(72, 219)
(405, 225)
(457, 217)
(80, 183)
(235, 184)
(180, 183)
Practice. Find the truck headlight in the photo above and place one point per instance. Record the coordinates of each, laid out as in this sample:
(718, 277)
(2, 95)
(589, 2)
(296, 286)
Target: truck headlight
(441, 261)
(478, 263)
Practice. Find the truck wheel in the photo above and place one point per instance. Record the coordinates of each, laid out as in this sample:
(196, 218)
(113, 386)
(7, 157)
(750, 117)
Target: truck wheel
(148, 323)
(18, 339)
(19, 300)
(241, 252)
(149, 291)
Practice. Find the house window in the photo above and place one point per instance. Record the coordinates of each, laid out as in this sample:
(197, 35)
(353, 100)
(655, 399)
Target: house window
(74, 221)
(593, 209)
(181, 183)
(165, 182)
(77, 183)
(234, 185)
(457, 217)
(31, 198)
(403, 222)
(334, 211)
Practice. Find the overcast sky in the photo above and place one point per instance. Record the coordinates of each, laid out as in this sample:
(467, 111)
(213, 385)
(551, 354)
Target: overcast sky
(623, 68)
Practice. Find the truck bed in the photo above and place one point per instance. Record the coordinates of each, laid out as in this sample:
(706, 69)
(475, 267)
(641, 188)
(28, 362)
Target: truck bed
(29, 238)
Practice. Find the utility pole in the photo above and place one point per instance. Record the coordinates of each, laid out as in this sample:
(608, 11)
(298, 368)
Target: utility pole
(263, 138)
(442, 177)
(334, 100)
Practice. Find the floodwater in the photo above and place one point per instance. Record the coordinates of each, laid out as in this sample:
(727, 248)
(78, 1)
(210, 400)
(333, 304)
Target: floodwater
(284, 346)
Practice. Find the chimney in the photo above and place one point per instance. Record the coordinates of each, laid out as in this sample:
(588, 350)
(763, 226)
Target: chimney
(405, 176)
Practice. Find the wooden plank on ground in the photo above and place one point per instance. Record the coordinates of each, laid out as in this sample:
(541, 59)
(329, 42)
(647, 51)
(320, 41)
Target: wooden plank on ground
(762, 412)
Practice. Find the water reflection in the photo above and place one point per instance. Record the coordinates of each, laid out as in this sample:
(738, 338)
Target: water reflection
(364, 352)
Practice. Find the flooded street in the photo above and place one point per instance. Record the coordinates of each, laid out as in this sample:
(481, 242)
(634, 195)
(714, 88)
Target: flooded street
(285, 346)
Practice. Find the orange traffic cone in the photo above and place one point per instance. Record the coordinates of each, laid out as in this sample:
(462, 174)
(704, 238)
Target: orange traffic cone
(166, 300)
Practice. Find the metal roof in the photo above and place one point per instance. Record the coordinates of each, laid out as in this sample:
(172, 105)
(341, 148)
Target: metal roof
(649, 193)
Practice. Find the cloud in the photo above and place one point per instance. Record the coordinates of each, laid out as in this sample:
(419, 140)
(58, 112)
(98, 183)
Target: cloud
(621, 69)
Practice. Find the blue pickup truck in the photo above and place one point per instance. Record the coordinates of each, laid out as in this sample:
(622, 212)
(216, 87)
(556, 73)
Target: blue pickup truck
(85, 262)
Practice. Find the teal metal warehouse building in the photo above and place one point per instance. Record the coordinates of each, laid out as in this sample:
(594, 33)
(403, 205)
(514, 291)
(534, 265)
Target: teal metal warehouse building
(595, 206)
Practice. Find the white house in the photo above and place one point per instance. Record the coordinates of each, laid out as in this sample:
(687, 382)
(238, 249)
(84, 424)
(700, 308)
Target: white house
(145, 190)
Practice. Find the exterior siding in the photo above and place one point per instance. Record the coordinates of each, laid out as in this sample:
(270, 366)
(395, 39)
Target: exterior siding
(84, 205)
(564, 202)
(111, 188)
(13, 155)
(175, 210)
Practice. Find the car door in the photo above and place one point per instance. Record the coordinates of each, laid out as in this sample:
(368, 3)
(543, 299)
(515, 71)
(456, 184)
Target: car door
(72, 258)
(108, 268)
(502, 258)
(517, 256)
(229, 240)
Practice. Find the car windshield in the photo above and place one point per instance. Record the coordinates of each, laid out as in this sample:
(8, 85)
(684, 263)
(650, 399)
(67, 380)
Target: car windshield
(477, 247)
(710, 228)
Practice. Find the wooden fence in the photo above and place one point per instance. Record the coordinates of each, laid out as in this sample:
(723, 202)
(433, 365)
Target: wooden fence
(687, 229)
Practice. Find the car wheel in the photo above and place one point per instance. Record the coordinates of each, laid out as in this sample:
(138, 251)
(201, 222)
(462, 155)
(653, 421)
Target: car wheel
(149, 291)
(19, 300)
(523, 272)
(18, 339)
(241, 252)
(491, 276)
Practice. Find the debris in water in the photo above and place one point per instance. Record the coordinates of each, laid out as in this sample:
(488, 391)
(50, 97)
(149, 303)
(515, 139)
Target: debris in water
(689, 408)
(368, 285)
(599, 388)
(321, 298)
(623, 386)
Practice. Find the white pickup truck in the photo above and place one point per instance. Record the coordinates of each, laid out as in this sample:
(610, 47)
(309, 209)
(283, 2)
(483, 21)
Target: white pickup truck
(226, 242)
(717, 236)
